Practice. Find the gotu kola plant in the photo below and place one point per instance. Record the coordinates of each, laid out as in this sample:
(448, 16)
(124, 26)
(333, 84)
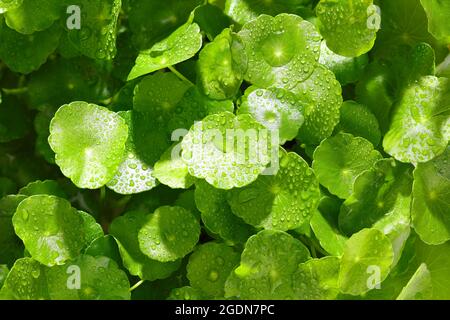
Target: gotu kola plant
(236, 149)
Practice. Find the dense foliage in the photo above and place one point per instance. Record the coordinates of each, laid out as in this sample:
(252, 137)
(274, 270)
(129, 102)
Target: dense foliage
(116, 182)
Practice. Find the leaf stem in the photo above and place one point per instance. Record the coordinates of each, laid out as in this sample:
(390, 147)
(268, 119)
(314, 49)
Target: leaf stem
(179, 75)
(15, 91)
(102, 194)
(137, 285)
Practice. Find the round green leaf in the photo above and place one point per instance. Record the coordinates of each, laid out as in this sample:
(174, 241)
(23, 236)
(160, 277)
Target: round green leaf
(125, 230)
(100, 279)
(228, 151)
(26, 281)
(367, 253)
(317, 279)
(280, 50)
(169, 234)
(209, 267)
(277, 109)
(89, 142)
(33, 15)
(222, 65)
(340, 159)
(50, 228)
(431, 206)
(381, 192)
(217, 216)
(285, 201)
(26, 53)
(359, 121)
(321, 95)
(133, 175)
(349, 27)
(181, 45)
(420, 127)
(268, 263)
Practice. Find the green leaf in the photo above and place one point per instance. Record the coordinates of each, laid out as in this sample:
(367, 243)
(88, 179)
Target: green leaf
(26, 281)
(280, 50)
(211, 19)
(217, 216)
(438, 24)
(125, 230)
(222, 65)
(348, 26)
(268, 263)
(366, 262)
(374, 91)
(317, 279)
(209, 267)
(3, 273)
(400, 29)
(34, 15)
(11, 247)
(347, 70)
(169, 234)
(419, 286)
(89, 142)
(172, 171)
(243, 11)
(321, 94)
(104, 246)
(100, 279)
(340, 159)
(227, 151)
(285, 201)
(324, 223)
(420, 125)
(430, 205)
(52, 231)
(96, 38)
(92, 230)
(48, 187)
(6, 5)
(133, 175)
(277, 109)
(358, 120)
(381, 199)
(181, 45)
(26, 53)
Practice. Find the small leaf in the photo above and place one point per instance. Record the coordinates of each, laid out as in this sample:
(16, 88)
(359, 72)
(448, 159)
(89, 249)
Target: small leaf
(169, 234)
(340, 159)
(89, 142)
(181, 45)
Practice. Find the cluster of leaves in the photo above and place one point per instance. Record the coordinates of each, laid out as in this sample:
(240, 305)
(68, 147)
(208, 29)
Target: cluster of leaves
(107, 171)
